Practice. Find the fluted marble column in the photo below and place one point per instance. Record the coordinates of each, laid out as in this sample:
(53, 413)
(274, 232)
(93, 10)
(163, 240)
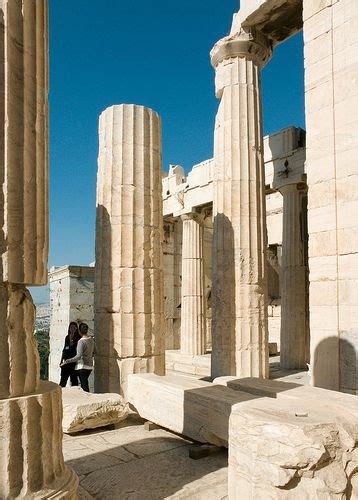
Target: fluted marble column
(31, 460)
(294, 275)
(129, 302)
(192, 339)
(239, 292)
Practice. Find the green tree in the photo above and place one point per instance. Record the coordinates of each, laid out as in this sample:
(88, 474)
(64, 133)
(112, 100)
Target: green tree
(43, 344)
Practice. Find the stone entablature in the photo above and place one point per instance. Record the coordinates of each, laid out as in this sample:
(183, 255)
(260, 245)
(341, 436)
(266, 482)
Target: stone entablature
(284, 157)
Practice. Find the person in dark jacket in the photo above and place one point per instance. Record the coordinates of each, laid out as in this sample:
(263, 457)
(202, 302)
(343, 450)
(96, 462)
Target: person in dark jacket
(69, 351)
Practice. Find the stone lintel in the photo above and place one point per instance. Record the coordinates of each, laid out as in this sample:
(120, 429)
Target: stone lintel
(194, 408)
(277, 19)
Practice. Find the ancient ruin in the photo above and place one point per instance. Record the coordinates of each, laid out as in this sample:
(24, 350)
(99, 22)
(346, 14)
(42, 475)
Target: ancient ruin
(200, 275)
(188, 206)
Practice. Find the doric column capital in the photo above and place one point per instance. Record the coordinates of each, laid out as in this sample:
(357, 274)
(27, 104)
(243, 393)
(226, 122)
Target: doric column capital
(248, 43)
(194, 216)
(289, 184)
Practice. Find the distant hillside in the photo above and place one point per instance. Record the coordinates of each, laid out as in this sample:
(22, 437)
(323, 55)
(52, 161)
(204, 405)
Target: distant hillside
(42, 317)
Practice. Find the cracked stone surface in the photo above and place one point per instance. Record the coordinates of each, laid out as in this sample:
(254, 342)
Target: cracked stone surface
(288, 449)
(84, 410)
(110, 461)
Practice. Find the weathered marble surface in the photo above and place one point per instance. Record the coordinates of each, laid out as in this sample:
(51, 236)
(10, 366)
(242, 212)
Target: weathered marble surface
(290, 390)
(129, 300)
(239, 289)
(290, 449)
(294, 336)
(192, 338)
(19, 359)
(331, 107)
(24, 208)
(31, 459)
(188, 364)
(193, 408)
(83, 410)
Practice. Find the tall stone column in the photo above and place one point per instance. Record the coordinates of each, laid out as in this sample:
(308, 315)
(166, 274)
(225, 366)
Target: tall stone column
(129, 300)
(31, 460)
(192, 340)
(239, 292)
(294, 341)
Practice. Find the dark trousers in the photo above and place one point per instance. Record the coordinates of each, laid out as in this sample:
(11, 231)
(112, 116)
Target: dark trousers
(83, 376)
(68, 372)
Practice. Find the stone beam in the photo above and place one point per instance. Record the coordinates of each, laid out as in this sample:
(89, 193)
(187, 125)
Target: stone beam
(194, 408)
(277, 19)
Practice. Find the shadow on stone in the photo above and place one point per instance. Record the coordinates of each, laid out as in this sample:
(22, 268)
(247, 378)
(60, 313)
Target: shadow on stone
(107, 375)
(335, 363)
(223, 298)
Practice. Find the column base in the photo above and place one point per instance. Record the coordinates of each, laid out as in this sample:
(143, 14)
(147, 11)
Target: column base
(31, 459)
(111, 375)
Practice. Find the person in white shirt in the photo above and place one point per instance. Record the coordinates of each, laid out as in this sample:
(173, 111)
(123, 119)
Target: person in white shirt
(84, 356)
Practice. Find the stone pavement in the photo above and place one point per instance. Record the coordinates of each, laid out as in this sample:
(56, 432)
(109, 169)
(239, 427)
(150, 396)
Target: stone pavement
(295, 376)
(128, 462)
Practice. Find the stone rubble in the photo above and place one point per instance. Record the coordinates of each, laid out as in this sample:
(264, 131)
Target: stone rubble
(83, 410)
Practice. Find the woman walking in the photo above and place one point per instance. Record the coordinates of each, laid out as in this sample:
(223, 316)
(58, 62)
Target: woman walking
(84, 356)
(69, 350)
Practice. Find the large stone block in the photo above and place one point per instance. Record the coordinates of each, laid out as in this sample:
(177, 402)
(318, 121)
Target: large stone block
(287, 390)
(283, 449)
(83, 410)
(194, 408)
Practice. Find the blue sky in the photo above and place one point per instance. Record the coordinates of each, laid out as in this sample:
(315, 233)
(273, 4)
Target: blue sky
(105, 52)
